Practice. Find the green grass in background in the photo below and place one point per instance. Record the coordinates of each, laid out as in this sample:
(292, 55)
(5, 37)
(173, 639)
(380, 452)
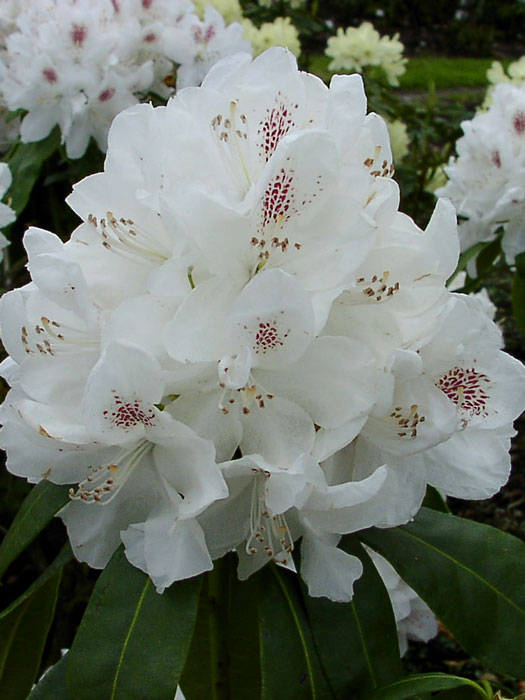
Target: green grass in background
(444, 73)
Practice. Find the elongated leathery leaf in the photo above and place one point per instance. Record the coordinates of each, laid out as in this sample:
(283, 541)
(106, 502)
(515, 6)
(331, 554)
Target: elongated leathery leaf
(471, 575)
(39, 507)
(235, 630)
(357, 641)
(412, 686)
(25, 162)
(518, 292)
(290, 665)
(52, 686)
(63, 557)
(132, 641)
(23, 634)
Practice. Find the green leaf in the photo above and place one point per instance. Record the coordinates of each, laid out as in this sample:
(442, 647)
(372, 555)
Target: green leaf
(23, 634)
(518, 292)
(434, 500)
(63, 557)
(357, 641)
(132, 642)
(25, 162)
(462, 692)
(53, 685)
(487, 257)
(290, 666)
(471, 576)
(425, 683)
(39, 507)
(237, 634)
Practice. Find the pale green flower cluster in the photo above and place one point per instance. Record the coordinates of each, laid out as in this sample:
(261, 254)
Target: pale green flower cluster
(496, 74)
(280, 32)
(294, 4)
(353, 49)
(399, 139)
(229, 9)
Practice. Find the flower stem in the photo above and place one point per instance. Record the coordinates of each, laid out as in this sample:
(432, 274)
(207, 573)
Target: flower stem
(218, 586)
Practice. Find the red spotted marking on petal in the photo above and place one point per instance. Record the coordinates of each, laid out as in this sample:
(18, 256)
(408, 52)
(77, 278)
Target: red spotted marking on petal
(518, 122)
(50, 75)
(466, 388)
(107, 94)
(267, 337)
(276, 124)
(128, 414)
(278, 198)
(78, 34)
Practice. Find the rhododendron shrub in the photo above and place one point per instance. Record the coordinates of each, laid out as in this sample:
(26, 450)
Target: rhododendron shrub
(246, 355)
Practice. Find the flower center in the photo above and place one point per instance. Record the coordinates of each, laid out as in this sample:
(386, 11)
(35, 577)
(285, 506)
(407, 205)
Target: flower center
(376, 288)
(407, 421)
(54, 337)
(125, 237)
(268, 533)
(105, 481)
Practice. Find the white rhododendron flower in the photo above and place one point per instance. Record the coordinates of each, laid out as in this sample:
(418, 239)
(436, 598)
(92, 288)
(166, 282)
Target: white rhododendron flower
(78, 63)
(487, 178)
(246, 343)
(355, 48)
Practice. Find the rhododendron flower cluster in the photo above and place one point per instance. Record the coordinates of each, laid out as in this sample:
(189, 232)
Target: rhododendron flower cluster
(355, 48)
(245, 343)
(78, 63)
(280, 32)
(487, 178)
(514, 73)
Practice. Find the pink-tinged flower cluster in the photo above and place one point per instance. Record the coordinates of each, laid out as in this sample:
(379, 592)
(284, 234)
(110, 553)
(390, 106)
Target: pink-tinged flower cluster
(246, 342)
(487, 178)
(78, 63)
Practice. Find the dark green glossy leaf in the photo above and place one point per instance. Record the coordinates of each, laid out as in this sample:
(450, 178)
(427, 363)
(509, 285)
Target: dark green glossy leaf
(487, 257)
(463, 692)
(235, 629)
(412, 686)
(357, 641)
(39, 507)
(434, 500)
(53, 684)
(469, 255)
(132, 641)
(518, 292)
(26, 163)
(23, 634)
(63, 557)
(471, 575)
(290, 665)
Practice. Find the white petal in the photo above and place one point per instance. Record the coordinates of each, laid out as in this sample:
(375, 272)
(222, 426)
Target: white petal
(328, 571)
(280, 432)
(167, 549)
(272, 316)
(121, 393)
